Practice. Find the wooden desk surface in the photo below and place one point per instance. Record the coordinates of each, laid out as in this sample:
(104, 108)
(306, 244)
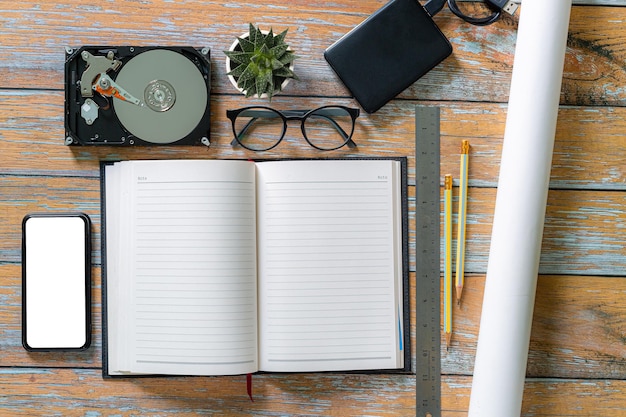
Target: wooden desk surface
(577, 363)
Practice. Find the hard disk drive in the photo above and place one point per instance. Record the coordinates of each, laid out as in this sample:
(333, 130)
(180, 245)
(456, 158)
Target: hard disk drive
(128, 95)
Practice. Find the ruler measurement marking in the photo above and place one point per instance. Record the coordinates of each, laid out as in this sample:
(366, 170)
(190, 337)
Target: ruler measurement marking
(427, 173)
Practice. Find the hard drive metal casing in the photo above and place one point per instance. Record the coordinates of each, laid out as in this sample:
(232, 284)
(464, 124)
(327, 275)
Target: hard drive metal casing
(141, 95)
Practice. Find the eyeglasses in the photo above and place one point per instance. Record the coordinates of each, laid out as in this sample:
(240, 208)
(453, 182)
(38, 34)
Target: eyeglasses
(262, 128)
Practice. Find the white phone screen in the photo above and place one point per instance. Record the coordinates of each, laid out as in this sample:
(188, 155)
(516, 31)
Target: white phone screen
(56, 282)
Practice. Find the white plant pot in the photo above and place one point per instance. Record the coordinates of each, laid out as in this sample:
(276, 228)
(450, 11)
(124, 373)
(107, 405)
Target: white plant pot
(232, 79)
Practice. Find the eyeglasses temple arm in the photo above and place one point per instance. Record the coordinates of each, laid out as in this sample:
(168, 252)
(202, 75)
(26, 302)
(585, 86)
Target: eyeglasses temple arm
(243, 130)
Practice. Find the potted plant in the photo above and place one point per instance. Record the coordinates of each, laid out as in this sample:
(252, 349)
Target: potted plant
(260, 63)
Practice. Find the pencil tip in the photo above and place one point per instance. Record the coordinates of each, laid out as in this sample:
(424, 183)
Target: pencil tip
(448, 337)
(459, 291)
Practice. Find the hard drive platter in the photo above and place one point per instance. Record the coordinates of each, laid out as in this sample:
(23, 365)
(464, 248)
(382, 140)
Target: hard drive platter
(137, 96)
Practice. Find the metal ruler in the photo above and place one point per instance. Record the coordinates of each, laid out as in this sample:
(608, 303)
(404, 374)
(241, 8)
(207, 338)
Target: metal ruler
(427, 220)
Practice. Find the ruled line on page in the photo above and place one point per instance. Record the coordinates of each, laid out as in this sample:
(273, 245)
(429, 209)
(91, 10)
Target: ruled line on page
(326, 241)
(180, 280)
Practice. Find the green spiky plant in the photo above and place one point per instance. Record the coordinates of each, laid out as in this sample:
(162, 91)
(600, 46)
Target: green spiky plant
(260, 62)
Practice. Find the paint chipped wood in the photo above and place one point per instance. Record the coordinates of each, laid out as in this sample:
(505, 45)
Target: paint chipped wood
(576, 360)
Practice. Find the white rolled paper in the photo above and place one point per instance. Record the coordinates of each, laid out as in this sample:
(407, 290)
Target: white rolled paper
(504, 336)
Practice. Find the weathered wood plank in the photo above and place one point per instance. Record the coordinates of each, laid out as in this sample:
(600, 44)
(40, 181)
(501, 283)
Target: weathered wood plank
(13, 355)
(583, 229)
(588, 150)
(30, 392)
(583, 234)
(578, 328)
(11, 352)
(34, 34)
(578, 320)
(79, 392)
(33, 136)
(588, 153)
(22, 195)
(546, 397)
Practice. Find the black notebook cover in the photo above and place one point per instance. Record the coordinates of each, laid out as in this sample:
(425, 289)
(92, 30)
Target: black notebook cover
(388, 52)
(406, 329)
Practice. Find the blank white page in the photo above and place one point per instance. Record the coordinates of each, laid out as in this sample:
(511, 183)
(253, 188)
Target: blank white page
(329, 265)
(192, 242)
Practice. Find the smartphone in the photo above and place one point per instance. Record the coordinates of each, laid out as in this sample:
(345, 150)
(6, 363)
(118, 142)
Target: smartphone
(56, 281)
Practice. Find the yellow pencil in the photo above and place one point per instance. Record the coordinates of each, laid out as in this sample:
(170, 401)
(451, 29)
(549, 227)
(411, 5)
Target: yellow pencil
(460, 236)
(447, 261)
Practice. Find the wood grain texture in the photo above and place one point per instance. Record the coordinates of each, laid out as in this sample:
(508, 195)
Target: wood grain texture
(576, 364)
(577, 332)
(34, 34)
(578, 222)
(77, 392)
(83, 392)
(588, 139)
(546, 397)
(578, 328)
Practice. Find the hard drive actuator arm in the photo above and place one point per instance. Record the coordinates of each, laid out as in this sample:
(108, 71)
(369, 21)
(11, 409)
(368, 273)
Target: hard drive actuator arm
(109, 88)
(94, 78)
(96, 65)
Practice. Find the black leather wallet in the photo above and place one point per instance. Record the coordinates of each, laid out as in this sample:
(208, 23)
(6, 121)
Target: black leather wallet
(388, 52)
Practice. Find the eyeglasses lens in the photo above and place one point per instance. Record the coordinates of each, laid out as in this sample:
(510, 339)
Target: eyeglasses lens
(329, 128)
(259, 128)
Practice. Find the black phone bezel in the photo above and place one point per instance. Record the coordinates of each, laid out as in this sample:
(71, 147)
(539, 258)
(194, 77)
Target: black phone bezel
(87, 255)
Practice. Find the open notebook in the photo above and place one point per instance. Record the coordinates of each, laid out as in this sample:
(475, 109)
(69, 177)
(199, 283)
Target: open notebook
(217, 267)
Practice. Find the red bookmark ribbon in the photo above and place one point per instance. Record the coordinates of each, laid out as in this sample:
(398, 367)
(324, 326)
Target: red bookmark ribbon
(249, 386)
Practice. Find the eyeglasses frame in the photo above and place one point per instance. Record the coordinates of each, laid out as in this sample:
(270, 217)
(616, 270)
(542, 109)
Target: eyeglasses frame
(301, 115)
